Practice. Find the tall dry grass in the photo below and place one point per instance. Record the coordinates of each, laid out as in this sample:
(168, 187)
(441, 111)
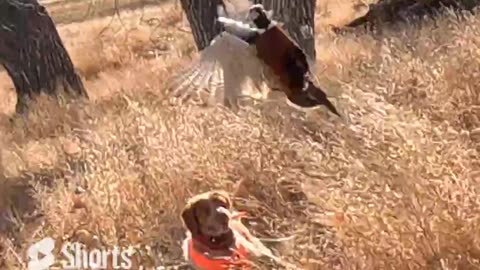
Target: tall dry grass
(394, 187)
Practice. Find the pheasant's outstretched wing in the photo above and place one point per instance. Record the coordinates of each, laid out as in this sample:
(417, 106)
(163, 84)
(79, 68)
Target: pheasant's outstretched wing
(233, 16)
(225, 71)
(236, 9)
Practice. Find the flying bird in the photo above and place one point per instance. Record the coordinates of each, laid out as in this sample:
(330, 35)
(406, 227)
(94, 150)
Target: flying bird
(251, 58)
(228, 69)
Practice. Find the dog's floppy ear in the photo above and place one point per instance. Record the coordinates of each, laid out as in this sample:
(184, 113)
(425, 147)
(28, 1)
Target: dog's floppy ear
(222, 196)
(190, 219)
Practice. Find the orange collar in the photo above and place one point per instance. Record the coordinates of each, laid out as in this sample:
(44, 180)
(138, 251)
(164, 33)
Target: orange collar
(202, 261)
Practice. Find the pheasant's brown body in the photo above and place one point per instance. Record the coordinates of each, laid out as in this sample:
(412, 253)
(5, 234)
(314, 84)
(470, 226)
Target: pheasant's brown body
(289, 63)
(286, 60)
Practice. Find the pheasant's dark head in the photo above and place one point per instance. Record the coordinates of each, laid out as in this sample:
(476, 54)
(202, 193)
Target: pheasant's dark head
(260, 17)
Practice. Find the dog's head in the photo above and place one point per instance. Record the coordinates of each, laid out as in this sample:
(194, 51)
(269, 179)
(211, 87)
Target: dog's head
(203, 215)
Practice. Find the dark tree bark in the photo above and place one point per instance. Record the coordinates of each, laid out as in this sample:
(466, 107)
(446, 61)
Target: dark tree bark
(33, 53)
(297, 16)
(202, 17)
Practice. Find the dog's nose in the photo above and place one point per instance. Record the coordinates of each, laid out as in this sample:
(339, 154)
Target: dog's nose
(223, 219)
(223, 216)
(211, 228)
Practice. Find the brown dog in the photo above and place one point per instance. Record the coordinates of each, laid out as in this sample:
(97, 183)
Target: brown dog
(216, 237)
(205, 223)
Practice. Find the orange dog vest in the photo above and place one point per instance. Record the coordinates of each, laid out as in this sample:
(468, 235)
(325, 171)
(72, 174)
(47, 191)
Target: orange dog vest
(201, 261)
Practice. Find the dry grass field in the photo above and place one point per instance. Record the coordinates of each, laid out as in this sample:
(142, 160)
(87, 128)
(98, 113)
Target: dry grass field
(396, 186)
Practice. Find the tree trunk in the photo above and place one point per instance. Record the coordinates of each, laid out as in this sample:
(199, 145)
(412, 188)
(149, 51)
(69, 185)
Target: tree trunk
(33, 53)
(297, 16)
(202, 17)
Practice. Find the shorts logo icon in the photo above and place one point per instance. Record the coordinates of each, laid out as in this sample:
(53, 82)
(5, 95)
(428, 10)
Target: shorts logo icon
(45, 248)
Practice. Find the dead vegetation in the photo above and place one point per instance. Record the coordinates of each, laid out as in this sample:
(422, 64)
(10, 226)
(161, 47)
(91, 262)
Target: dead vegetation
(395, 187)
(388, 12)
(69, 11)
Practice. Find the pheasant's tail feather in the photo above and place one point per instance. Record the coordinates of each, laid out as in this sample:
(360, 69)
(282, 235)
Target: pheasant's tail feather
(321, 98)
(312, 97)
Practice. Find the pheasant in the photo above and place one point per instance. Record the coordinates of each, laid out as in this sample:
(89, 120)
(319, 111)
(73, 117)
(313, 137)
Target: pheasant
(248, 55)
